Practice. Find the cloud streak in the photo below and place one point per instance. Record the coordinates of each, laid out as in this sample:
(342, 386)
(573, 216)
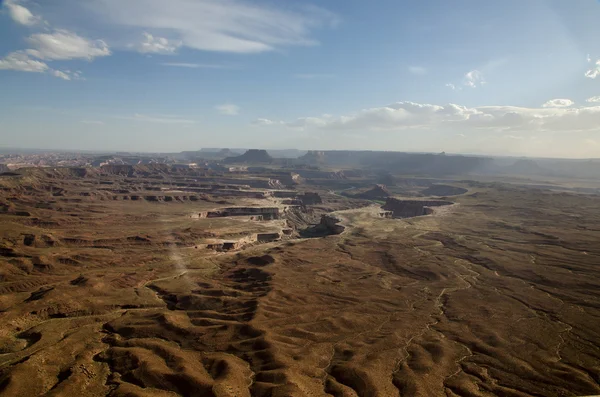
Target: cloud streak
(454, 118)
(157, 45)
(558, 103)
(417, 70)
(64, 45)
(161, 119)
(228, 109)
(20, 61)
(236, 26)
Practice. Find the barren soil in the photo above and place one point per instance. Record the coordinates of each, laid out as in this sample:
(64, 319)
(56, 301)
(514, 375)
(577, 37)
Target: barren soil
(496, 295)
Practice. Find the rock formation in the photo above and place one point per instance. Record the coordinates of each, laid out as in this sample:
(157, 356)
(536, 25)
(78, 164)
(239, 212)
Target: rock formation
(310, 198)
(312, 157)
(329, 225)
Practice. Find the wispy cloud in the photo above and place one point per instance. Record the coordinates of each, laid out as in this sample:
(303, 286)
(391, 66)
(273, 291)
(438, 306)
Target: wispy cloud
(20, 14)
(264, 122)
(228, 109)
(594, 99)
(20, 61)
(65, 45)
(157, 45)
(417, 70)
(239, 26)
(594, 70)
(558, 103)
(161, 27)
(474, 79)
(453, 118)
(58, 44)
(164, 119)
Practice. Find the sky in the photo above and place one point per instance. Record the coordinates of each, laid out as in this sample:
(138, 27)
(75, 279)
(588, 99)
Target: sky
(509, 77)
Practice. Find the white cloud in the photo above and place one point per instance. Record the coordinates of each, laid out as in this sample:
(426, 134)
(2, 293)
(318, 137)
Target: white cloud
(163, 119)
(228, 109)
(558, 103)
(61, 75)
(474, 79)
(594, 70)
(594, 99)
(67, 74)
(20, 14)
(452, 86)
(264, 122)
(239, 26)
(157, 45)
(418, 70)
(20, 61)
(63, 45)
(455, 118)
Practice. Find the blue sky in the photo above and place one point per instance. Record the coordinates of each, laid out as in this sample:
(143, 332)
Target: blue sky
(506, 77)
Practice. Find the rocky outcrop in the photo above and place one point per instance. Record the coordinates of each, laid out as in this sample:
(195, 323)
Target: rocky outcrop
(4, 168)
(310, 198)
(328, 226)
(331, 223)
(412, 208)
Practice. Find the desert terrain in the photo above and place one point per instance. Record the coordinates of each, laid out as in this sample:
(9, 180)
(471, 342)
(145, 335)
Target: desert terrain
(156, 280)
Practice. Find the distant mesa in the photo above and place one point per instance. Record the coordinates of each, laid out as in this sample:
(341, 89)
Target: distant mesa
(444, 190)
(252, 156)
(313, 157)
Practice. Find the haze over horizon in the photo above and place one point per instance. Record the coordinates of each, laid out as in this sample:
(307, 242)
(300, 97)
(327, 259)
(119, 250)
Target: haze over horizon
(504, 78)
